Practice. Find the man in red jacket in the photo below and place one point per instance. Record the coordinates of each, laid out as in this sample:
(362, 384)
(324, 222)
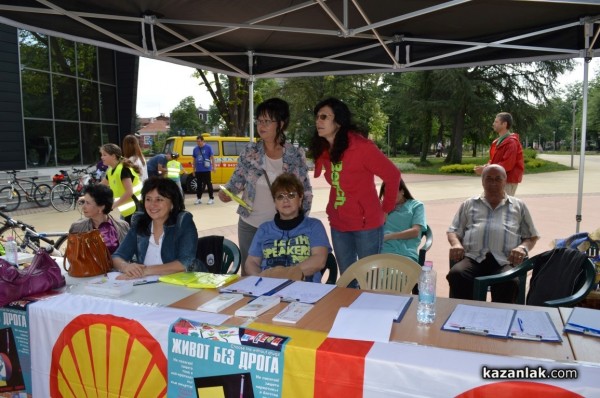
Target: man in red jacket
(506, 150)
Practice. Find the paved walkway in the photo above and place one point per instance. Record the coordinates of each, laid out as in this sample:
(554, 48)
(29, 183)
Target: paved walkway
(551, 198)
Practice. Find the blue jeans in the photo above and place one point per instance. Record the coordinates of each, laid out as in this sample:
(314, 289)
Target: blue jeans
(354, 245)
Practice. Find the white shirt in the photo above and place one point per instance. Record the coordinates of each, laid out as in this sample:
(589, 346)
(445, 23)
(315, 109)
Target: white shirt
(143, 168)
(263, 208)
(153, 256)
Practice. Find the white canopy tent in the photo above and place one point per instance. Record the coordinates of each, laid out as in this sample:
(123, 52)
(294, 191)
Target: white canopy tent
(287, 38)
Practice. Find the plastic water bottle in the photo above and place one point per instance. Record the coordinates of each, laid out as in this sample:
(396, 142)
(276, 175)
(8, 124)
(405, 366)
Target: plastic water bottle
(10, 246)
(426, 307)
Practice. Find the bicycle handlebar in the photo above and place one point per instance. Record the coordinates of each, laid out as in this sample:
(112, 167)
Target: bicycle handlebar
(28, 229)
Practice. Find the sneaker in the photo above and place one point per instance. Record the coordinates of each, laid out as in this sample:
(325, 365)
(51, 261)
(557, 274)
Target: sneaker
(211, 202)
(198, 202)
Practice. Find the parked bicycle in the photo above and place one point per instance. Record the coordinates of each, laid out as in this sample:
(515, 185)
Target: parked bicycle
(11, 197)
(69, 189)
(28, 239)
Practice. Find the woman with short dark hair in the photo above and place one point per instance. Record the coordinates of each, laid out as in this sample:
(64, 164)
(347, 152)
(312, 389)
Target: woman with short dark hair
(163, 239)
(95, 204)
(258, 166)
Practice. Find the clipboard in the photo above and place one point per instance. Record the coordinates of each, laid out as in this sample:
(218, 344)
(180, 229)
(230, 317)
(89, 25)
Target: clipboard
(584, 321)
(235, 197)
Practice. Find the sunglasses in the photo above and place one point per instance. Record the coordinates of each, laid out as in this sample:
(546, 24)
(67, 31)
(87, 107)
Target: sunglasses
(322, 116)
(288, 196)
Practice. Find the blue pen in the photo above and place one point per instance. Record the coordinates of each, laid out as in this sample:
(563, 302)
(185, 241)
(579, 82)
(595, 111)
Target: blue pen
(258, 281)
(520, 324)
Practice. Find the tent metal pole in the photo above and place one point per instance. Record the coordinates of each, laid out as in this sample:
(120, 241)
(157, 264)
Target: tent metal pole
(589, 28)
(251, 96)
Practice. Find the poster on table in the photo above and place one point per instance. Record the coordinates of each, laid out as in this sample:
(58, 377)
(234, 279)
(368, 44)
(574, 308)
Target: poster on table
(86, 346)
(15, 361)
(210, 361)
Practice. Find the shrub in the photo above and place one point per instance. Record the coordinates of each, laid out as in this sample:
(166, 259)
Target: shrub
(529, 153)
(406, 166)
(534, 163)
(458, 169)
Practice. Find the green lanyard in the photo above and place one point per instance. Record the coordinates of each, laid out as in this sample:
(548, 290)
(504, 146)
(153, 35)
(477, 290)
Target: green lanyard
(502, 138)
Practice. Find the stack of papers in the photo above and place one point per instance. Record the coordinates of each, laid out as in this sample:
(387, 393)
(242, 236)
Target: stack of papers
(258, 306)
(585, 321)
(220, 302)
(293, 312)
(108, 287)
(501, 322)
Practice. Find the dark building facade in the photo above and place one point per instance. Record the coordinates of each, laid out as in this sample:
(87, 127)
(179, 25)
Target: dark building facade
(60, 100)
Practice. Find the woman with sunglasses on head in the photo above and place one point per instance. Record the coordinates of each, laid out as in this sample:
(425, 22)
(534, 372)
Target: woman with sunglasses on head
(291, 245)
(163, 239)
(351, 162)
(95, 205)
(258, 166)
(123, 177)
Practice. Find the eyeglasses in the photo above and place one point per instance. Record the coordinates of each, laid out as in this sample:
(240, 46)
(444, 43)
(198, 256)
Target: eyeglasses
(265, 122)
(323, 116)
(82, 202)
(288, 196)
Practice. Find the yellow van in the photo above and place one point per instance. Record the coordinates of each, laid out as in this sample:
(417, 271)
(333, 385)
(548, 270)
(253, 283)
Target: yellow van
(225, 149)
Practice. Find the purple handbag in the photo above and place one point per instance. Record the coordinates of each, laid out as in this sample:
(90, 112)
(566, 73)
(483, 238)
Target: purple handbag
(42, 275)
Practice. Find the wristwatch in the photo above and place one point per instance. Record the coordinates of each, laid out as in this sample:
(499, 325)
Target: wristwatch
(524, 248)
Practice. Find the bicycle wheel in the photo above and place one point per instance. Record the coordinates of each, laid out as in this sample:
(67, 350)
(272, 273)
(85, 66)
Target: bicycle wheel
(19, 236)
(41, 195)
(62, 197)
(9, 197)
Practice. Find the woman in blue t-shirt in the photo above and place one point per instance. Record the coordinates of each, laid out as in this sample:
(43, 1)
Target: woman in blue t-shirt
(404, 225)
(291, 245)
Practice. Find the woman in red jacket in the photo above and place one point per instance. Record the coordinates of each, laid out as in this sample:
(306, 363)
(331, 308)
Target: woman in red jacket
(351, 162)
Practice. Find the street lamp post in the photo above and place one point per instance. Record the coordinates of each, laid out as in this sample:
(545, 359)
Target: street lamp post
(573, 137)
(554, 140)
(388, 137)
(540, 142)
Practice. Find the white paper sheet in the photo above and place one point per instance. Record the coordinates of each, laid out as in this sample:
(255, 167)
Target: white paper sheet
(533, 325)
(304, 292)
(370, 301)
(480, 320)
(363, 324)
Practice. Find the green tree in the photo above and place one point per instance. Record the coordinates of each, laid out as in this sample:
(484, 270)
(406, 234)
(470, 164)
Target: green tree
(184, 118)
(230, 96)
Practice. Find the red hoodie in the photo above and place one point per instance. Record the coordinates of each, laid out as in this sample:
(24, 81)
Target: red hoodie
(353, 201)
(509, 154)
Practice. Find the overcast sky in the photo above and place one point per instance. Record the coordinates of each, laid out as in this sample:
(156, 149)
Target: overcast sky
(162, 85)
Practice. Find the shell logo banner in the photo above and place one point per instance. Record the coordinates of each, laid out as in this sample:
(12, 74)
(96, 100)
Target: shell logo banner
(84, 346)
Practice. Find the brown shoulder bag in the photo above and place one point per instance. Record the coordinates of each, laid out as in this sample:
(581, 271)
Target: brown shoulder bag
(86, 254)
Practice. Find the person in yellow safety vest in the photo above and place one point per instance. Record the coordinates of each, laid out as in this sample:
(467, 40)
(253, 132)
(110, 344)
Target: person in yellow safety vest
(174, 169)
(123, 178)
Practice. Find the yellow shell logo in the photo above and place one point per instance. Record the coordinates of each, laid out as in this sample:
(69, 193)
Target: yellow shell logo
(107, 356)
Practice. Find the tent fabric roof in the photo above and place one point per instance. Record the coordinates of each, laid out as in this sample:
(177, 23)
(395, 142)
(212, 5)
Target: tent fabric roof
(284, 38)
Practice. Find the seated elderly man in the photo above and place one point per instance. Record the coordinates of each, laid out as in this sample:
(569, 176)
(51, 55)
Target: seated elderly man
(490, 234)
